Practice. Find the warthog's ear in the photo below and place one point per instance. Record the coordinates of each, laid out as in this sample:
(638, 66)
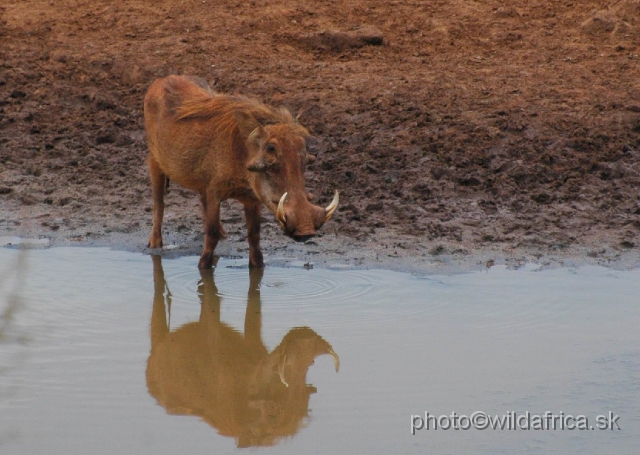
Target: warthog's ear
(249, 127)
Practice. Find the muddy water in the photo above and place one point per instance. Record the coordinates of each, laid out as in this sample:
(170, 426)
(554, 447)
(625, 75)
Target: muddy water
(111, 352)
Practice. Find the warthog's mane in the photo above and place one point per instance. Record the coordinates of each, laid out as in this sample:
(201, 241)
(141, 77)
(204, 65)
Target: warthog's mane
(204, 104)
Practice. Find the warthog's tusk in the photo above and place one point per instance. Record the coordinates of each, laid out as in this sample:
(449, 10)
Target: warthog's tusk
(280, 212)
(281, 370)
(332, 207)
(336, 359)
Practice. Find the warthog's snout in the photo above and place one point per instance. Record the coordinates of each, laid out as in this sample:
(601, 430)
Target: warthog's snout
(302, 237)
(300, 219)
(302, 222)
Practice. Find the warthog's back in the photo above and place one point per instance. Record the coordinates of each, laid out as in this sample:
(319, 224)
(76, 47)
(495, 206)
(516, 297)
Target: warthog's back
(193, 133)
(201, 370)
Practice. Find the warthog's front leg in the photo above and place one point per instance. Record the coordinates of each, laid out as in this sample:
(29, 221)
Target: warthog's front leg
(212, 228)
(158, 187)
(203, 202)
(252, 215)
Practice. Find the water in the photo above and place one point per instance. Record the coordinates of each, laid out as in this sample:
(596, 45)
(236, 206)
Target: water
(113, 352)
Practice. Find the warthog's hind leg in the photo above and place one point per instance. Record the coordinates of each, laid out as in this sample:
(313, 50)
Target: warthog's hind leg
(252, 215)
(158, 186)
(212, 228)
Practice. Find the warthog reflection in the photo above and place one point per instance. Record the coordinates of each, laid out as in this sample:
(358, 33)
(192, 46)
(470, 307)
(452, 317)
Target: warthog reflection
(230, 380)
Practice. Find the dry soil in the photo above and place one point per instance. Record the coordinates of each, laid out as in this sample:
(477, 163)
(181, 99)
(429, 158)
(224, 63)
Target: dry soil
(452, 128)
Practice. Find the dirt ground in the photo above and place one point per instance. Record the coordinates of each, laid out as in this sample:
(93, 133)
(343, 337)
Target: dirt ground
(450, 127)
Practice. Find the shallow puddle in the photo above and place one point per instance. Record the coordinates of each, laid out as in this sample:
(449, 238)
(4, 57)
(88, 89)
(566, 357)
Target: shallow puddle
(110, 352)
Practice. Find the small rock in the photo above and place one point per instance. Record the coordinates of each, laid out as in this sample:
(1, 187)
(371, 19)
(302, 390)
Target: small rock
(372, 168)
(506, 11)
(351, 176)
(605, 22)
(374, 207)
(469, 181)
(107, 136)
(438, 172)
(27, 199)
(627, 244)
(391, 177)
(542, 198)
(339, 40)
(422, 188)
(104, 104)
(18, 94)
(124, 140)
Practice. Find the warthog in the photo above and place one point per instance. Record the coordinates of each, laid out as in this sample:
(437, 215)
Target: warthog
(229, 379)
(228, 147)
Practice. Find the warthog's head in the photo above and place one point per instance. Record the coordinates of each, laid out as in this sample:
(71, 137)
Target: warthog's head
(277, 156)
(278, 393)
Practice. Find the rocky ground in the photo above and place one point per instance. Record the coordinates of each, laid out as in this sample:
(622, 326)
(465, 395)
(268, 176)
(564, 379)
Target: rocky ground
(456, 130)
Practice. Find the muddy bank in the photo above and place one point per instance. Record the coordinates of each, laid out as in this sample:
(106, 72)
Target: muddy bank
(451, 129)
(391, 252)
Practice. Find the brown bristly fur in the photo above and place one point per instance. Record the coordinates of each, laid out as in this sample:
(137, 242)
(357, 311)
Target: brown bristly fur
(216, 145)
(209, 104)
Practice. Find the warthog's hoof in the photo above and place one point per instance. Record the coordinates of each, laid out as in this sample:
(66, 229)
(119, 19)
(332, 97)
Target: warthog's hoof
(155, 242)
(206, 261)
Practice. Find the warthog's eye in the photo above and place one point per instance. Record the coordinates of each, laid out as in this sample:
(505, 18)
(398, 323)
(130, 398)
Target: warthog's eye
(270, 148)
